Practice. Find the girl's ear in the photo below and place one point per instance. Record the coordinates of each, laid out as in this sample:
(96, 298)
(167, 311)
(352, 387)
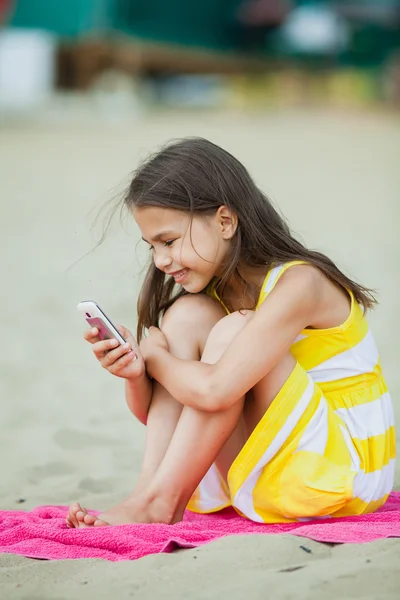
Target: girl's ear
(227, 222)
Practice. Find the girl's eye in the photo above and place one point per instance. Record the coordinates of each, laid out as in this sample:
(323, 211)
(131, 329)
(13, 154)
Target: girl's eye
(167, 243)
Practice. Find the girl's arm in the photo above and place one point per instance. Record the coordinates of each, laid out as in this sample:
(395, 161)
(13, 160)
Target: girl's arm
(119, 360)
(267, 337)
(138, 393)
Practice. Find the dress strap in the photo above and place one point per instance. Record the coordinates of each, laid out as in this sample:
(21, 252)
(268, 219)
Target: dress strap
(273, 277)
(212, 292)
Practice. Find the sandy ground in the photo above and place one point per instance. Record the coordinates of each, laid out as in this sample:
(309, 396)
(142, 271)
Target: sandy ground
(66, 432)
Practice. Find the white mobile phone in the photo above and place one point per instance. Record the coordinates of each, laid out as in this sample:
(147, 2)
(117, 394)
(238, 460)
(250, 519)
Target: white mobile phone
(97, 318)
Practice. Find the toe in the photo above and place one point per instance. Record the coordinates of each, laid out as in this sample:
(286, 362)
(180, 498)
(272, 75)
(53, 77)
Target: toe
(100, 523)
(75, 506)
(90, 519)
(72, 520)
(68, 519)
(80, 515)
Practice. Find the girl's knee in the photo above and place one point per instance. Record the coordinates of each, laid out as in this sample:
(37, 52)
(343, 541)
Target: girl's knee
(224, 332)
(192, 316)
(227, 328)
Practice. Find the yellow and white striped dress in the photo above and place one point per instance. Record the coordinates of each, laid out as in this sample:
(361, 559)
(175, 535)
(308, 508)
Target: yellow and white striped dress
(326, 445)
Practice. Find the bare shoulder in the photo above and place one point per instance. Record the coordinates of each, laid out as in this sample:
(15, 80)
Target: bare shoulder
(305, 276)
(302, 282)
(326, 304)
(297, 296)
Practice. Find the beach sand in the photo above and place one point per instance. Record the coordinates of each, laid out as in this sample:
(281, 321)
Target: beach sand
(66, 431)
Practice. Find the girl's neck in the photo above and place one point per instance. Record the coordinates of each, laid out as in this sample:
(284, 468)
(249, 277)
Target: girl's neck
(239, 296)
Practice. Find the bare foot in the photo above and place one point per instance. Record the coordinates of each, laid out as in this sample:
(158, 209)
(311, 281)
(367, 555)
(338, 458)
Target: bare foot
(78, 516)
(131, 510)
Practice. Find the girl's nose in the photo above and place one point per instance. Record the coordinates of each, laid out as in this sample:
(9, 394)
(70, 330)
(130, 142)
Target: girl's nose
(162, 261)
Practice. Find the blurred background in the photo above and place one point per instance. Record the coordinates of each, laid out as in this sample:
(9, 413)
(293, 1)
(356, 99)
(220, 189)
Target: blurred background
(305, 93)
(208, 53)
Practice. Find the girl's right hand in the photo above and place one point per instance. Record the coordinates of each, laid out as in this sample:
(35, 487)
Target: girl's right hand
(122, 360)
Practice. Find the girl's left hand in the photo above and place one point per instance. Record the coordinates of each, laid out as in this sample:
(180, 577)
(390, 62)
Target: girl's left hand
(155, 340)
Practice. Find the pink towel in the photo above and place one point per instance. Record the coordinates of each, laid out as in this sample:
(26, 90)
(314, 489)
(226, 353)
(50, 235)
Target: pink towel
(42, 533)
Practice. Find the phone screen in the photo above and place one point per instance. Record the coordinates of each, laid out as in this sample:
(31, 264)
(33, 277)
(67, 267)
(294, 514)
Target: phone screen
(104, 332)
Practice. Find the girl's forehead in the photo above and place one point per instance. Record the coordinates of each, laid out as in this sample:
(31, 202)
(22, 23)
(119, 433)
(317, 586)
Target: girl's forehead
(155, 217)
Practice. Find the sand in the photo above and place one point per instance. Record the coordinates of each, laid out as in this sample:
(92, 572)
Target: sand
(66, 432)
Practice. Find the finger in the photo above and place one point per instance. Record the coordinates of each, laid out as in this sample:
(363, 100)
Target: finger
(127, 335)
(122, 362)
(104, 346)
(123, 331)
(110, 357)
(134, 344)
(92, 335)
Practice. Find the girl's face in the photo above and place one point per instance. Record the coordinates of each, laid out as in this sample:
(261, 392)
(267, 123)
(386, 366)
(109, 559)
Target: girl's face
(192, 251)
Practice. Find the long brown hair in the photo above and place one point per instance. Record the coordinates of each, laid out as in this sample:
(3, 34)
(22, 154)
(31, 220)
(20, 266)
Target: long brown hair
(197, 176)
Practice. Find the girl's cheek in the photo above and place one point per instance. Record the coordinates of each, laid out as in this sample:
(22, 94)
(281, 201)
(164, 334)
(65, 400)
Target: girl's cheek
(179, 254)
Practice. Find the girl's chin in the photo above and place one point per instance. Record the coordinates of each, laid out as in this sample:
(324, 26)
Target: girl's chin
(192, 287)
(195, 287)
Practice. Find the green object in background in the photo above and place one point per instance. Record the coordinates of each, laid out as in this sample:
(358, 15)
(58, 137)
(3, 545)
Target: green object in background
(371, 45)
(66, 18)
(205, 23)
(209, 24)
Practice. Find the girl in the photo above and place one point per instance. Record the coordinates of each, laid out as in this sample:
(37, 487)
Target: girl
(262, 389)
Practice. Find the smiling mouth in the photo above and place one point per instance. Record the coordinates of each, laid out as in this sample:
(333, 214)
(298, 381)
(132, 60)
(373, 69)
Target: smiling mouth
(179, 275)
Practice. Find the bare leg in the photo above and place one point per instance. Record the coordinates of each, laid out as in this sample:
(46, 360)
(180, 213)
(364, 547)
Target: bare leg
(198, 440)
(186, 325)
(202, 438)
